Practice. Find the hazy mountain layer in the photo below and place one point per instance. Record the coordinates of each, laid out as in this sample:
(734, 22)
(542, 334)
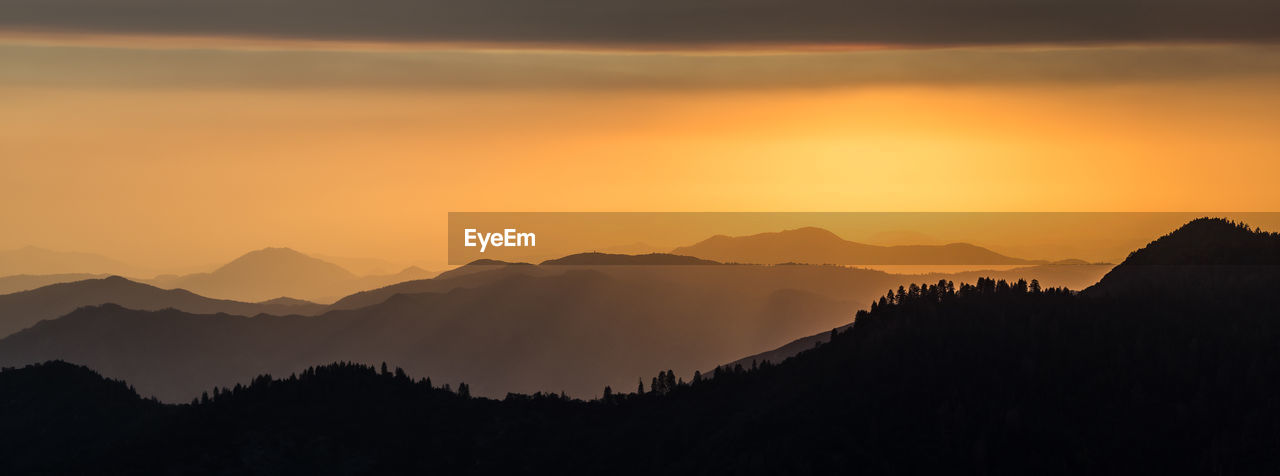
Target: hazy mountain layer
(281, 272)
(819, 246)
(574, 331)
(26, 282)
(502, 327)
(23, 309)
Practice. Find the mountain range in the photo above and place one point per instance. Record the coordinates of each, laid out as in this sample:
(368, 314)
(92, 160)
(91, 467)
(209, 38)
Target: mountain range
(257, 276)
(271, 273)
(664, 313)
(983, 377)
(571, 330)
(23, 309)
(571, 324)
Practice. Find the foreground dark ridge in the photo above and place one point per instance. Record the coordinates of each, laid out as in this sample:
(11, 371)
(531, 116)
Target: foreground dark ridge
(992, 378)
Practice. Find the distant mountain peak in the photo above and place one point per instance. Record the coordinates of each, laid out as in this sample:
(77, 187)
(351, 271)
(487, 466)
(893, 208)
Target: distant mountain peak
(266, 274)
(282, 258)
(276, 253)
(811, 231)
(285, 249)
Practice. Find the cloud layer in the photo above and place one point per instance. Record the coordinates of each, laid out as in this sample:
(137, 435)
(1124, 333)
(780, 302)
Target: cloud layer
(73, 66)
(662, 23)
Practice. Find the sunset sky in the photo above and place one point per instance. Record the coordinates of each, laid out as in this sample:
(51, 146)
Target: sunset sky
(176, 134)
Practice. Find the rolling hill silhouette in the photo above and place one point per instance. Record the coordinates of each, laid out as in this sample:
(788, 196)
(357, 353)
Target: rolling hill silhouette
(23, 309)
(818, 246)
(993, 377)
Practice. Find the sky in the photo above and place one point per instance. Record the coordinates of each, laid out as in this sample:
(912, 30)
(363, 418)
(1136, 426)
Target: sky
(176, 134)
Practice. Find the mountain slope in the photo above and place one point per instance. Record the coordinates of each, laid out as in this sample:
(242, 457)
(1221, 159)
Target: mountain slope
(1205, 256)
(818, 246)
(23, 309)
(89, 417)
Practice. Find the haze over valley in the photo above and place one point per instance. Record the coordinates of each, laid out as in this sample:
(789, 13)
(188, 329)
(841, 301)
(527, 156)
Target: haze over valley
(573, 324)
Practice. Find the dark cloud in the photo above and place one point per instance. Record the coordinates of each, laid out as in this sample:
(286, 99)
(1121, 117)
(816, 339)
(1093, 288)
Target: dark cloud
(72, 66)
(667, 22)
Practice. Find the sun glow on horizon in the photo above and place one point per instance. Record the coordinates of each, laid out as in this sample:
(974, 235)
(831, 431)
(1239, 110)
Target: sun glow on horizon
(192, 174)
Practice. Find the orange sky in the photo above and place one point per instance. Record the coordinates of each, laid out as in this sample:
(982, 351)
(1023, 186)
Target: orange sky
(166, 170)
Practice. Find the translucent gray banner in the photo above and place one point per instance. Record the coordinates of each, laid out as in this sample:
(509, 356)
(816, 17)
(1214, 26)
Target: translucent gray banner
(873, 239)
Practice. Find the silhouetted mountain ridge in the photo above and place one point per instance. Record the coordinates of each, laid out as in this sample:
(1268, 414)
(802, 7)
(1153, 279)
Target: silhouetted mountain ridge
(1207, 256)
(1210, 241)
(23, 309)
